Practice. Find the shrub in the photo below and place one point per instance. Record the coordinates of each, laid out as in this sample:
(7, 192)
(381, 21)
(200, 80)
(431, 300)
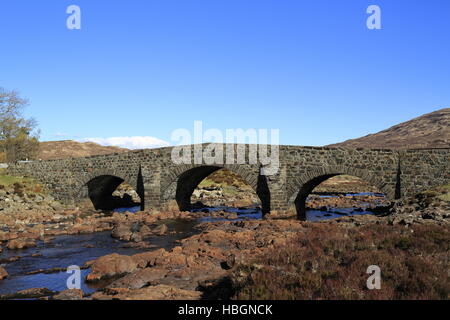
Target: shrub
(330, 262)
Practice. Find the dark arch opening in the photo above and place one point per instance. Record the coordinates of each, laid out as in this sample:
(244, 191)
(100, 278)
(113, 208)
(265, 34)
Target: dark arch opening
(109, 192)
(189, 181)
(338, 187)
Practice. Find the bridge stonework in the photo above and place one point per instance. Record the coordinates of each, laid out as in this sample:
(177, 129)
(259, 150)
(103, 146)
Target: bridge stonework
(158, 180)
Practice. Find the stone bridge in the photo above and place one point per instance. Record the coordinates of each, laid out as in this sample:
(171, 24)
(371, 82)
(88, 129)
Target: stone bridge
(158, 180)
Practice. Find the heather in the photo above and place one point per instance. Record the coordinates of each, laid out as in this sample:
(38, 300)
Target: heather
(328, 261)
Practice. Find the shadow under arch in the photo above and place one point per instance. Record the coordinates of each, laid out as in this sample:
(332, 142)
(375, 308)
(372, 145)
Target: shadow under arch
(100, 191)
(309, 184)
(191, 178)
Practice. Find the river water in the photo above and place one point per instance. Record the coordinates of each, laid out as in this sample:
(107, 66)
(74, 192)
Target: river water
(67, 250)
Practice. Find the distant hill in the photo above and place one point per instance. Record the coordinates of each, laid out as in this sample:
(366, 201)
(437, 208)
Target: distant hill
(51, 150)
(431, 130)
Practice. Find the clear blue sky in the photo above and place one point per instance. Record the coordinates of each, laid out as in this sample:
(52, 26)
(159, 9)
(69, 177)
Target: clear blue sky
(145, 68)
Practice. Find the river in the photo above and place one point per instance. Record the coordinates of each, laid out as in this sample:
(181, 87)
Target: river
(67, 250)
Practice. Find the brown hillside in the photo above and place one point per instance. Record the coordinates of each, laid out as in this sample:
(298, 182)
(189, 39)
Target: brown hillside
(51, 150)
(431, 130)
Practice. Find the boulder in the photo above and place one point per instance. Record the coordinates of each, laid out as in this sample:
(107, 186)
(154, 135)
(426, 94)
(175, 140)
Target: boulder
(140, 278)
(145, 231)
(3, 273)
(18, 244)
(172, 260)
(111, 265)
(33, 293)
(83, 228)
(148, 259)
(122, 231)
(161, 230)
(5, 236)
(70, 294)
(136, 237)
(161, 258)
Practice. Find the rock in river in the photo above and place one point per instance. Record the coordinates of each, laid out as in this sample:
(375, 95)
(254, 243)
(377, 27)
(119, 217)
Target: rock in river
(3, 273)
(18, 244)
(110, 266)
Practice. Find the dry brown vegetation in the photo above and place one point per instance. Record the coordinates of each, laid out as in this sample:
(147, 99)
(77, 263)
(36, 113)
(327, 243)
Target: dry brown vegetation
(52, 150)
(431, 130)
(345, 184)
(330, 262)
(224, 177)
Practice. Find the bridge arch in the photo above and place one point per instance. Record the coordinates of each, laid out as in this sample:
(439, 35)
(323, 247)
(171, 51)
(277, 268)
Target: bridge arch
(99, 185)
(187, 177)
(299, 190)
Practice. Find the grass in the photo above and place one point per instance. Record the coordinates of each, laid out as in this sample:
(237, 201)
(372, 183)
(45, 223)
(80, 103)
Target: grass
(445, 193)
(20, 184)
(330, 262)
(439, 192)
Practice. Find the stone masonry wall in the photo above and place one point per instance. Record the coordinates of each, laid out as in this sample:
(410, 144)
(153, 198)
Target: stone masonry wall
(157, 178)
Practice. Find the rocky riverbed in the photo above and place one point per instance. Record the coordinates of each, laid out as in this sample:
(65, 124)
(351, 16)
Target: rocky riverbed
(163, 254)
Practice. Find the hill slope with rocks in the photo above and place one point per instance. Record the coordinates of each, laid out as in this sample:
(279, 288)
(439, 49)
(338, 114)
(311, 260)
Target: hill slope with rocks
(431, 130)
